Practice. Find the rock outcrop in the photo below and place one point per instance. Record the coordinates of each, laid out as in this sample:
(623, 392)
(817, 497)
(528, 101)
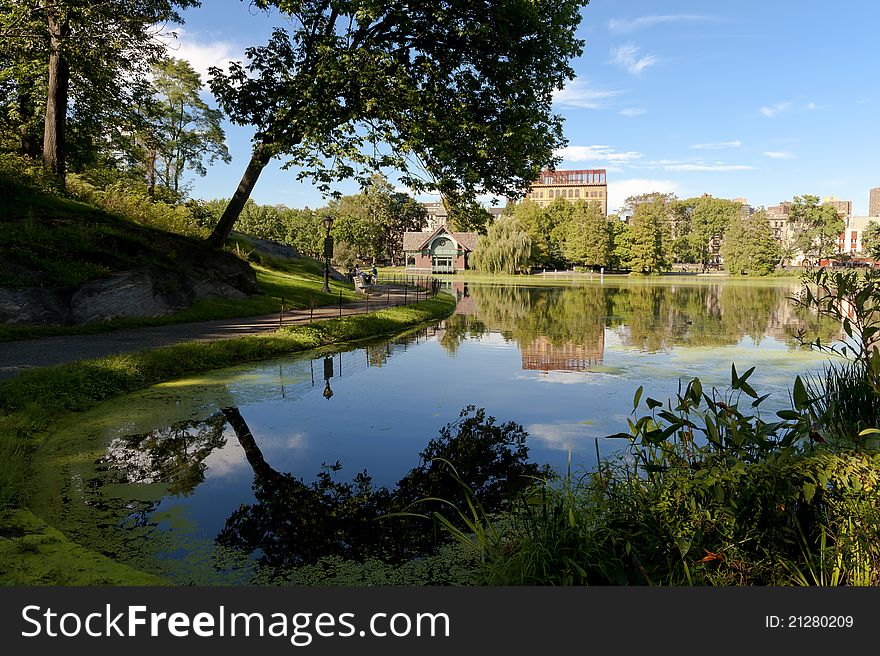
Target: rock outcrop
(150, 291)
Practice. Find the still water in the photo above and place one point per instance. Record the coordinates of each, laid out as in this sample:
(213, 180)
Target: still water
(224, 476)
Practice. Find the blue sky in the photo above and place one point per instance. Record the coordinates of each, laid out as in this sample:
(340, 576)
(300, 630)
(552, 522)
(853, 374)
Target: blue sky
(756, 99)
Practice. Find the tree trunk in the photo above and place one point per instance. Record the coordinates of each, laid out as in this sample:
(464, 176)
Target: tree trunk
(262, 469)
(230, 215)
(56, 99)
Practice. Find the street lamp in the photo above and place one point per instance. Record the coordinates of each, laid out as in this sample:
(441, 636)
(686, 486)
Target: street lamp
(328, 251)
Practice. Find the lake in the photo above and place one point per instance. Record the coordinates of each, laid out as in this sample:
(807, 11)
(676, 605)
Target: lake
(232, 475)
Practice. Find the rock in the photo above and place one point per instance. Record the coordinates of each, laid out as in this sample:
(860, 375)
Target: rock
(33, 305)
(150, 291)
(127, 294)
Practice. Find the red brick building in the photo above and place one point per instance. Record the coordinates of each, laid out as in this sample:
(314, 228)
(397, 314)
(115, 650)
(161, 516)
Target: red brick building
(441, 251)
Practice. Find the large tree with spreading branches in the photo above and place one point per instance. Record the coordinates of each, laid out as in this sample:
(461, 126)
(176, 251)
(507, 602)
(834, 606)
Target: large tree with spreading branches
(454, 94)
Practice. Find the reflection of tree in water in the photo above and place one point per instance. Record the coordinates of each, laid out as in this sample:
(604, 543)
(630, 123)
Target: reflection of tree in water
(174, 455)
(651, 317)
(293, 522)
(458, 328)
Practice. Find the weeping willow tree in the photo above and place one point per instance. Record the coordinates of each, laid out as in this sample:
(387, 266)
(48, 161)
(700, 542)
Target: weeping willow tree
(506, 248)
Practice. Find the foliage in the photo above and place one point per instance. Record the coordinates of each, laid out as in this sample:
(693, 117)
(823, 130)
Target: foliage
(467, 215)
(349, 88)
(871, 239)
(536, 222)
(706, 220)
(505, 248)
(587, 238)
(620, 242)
(88, 59)
(373, 222)
(817, 227)
(750, 247)
(648, 231)
(178, 130)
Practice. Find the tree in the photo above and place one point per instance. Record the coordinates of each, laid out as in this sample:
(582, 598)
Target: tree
(750, 247)
(706, 219)
(871, 239)
(535, 221)
(352, 86)
(187, 130)
(92, 51)
(505, 248)
(587, 239)
(467, 215)
(373, 221)
(620, 242)
(648, 252)
(817, 227)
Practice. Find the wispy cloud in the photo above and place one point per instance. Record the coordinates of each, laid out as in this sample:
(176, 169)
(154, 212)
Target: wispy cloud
(774, 110)
(632, 111)
(579, 94)
(812, 105)
(620, 190)
(203, 54)
(627, 56)
(718, 145)
(622, 25)
(778, 154)
(702, 166)
(596, 154)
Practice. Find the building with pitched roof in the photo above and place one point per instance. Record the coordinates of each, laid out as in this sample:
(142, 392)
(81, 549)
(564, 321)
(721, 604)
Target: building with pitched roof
(440, 251)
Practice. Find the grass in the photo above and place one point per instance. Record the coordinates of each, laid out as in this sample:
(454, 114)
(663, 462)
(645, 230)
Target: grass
(50, 241)
(35, 400)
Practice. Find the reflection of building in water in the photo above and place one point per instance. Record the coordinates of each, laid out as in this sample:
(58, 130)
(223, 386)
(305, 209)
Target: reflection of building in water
(543, 355)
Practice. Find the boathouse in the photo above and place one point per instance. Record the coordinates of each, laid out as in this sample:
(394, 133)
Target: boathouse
(440, 251)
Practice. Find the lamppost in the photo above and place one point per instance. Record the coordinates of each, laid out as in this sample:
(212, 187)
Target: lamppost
(328, 251)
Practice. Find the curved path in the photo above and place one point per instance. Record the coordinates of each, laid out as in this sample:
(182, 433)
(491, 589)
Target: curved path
(48, 351)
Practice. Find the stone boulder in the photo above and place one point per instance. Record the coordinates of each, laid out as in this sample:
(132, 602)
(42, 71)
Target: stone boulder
(152, 291)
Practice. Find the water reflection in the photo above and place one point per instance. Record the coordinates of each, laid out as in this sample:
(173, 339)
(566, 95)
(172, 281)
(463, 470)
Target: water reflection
(290, 523)
(564, 328)
(235, 473)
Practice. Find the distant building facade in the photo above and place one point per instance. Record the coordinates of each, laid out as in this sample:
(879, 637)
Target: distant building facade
(437, 215)
(850, 241)
(441, 251)
(842, 207)
(874, 202)
(585, 184)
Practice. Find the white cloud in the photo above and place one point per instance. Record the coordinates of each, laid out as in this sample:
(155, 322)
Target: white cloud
(578, 94)
(204, 54)
(701, 166)
(778, 154)
(642, 22)
(773, 110)
(620, 190)
(596, 154)
(632, 111)
(718, 145)
(812, 105)
(627, 56)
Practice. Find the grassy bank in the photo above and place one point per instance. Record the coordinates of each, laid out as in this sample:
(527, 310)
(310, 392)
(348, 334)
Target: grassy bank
(31, 403)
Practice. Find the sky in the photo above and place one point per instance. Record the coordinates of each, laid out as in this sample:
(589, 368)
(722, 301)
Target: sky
(755, 99)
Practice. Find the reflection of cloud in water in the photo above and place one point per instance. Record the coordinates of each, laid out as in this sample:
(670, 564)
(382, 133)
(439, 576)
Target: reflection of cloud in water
(296, 441)
(561, 436)
(573, 377)
(226, 461)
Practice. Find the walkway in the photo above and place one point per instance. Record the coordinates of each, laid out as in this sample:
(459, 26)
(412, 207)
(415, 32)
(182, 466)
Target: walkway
(48, 351)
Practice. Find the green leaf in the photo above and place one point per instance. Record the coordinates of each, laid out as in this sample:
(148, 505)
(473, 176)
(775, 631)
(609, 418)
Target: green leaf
(759, 400)
(799, 394)
(637, 397)
(870, 431)
(734, 380)
(745, 387)
(653, 403)
(619, 436)
(745, 376)
(788, 414)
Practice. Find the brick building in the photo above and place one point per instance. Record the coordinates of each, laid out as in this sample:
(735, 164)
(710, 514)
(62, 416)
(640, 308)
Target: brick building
(586, 184)
(441, 251)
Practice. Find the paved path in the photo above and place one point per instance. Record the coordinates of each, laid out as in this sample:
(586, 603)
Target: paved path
(26, 354)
